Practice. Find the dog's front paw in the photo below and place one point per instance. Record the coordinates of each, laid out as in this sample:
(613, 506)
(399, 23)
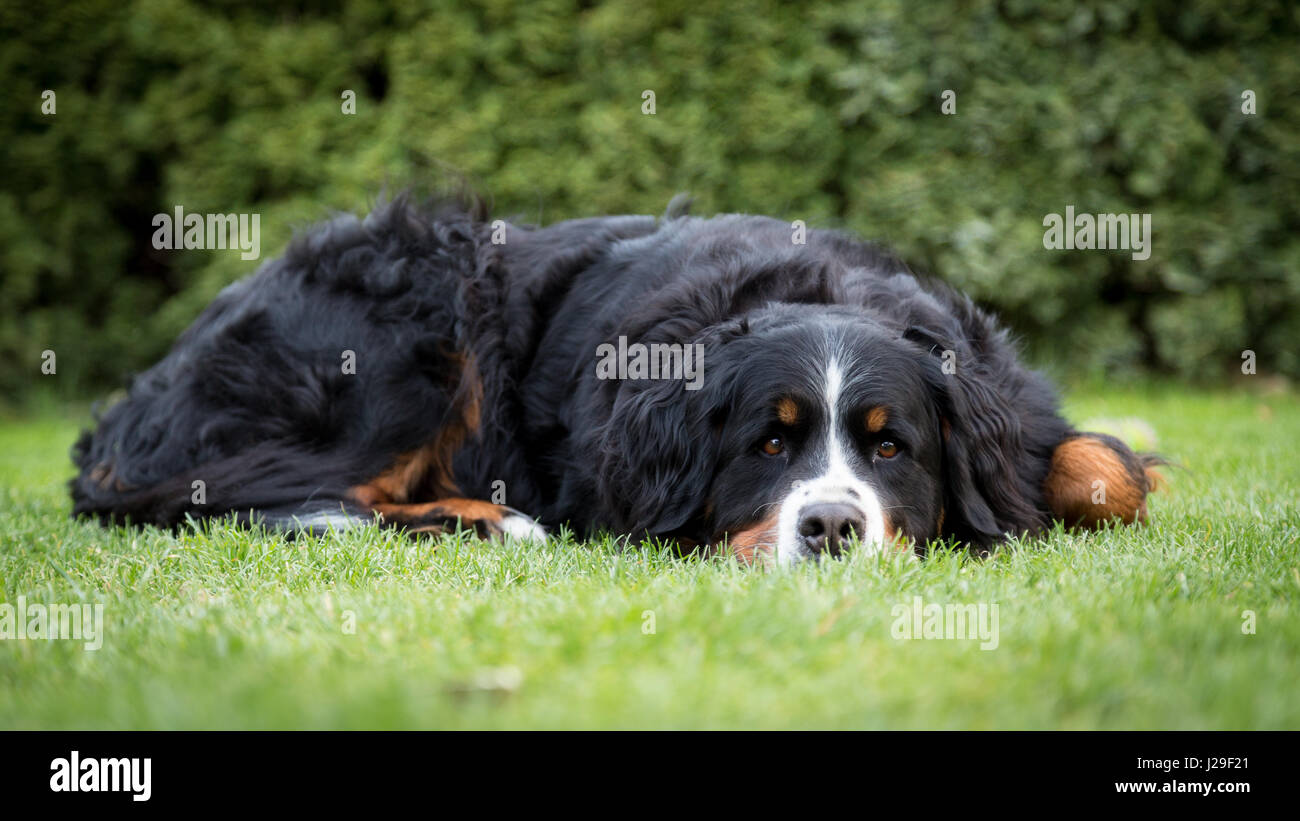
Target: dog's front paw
(518, 527)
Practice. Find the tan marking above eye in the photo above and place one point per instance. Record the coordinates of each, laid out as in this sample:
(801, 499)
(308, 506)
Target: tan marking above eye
(877, 417)
(787, 411)
(774, 446)
(887, 450)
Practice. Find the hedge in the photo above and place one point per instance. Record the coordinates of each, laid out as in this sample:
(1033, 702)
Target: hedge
(828, 112)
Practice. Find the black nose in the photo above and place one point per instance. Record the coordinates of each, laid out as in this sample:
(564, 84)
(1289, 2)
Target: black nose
(826, 527)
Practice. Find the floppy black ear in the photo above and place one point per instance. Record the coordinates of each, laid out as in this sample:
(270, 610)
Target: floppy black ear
(659, 449)
(657, 455)
(993, 425)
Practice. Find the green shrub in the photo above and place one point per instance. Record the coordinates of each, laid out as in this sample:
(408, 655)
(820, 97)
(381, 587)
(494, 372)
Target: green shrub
(828, 113)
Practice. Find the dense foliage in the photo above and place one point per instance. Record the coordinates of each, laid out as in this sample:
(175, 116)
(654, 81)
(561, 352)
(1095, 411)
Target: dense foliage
(826, 112)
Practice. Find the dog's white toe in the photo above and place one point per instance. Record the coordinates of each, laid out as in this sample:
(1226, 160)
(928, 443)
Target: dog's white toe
(520, 528)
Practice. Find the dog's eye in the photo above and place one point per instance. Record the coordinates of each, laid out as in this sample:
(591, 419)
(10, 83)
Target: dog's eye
(774, 446)
(886, 450)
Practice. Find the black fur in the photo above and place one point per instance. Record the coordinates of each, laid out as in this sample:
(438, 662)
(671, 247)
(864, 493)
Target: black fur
(253, 400)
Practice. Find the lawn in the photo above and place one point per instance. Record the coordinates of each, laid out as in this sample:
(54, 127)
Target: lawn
(1134, 628)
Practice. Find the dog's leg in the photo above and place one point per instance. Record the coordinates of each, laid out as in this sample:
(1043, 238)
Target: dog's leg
(488, 520)
(1096, 478)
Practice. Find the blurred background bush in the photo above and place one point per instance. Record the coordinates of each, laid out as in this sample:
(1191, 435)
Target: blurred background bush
(826, 112)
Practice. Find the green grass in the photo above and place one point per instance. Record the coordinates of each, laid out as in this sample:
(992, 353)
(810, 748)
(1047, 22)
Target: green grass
(1133, 628)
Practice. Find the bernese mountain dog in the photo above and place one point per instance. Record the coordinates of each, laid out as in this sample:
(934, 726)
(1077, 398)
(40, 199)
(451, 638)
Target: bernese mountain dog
(736, 385)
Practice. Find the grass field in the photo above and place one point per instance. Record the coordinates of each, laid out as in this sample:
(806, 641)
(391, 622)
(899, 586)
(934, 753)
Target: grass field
(1137, 628)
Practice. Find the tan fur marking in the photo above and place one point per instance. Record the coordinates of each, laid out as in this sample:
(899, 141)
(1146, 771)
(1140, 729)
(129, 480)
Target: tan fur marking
(895, 540)
(787, 411)
(427, 471)
(105, 476)
(877, 417)
(440, 516)
(1077, 464)
(756, 544)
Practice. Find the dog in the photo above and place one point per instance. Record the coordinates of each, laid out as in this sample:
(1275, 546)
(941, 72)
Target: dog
(428, 369)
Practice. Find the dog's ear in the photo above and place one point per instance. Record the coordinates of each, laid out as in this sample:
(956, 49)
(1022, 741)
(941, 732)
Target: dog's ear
(657, 454)
(658, 450)
(989, 479)
(1095, 478)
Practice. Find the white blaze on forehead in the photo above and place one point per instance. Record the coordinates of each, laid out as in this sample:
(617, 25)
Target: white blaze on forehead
(836, 462)
(837, 483)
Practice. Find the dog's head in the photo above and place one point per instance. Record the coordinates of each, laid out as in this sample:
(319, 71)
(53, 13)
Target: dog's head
(816, 427)
(834, 435)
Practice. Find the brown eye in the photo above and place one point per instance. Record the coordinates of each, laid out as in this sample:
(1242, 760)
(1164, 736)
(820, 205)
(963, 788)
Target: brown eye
(886, 450)
(774, 446)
